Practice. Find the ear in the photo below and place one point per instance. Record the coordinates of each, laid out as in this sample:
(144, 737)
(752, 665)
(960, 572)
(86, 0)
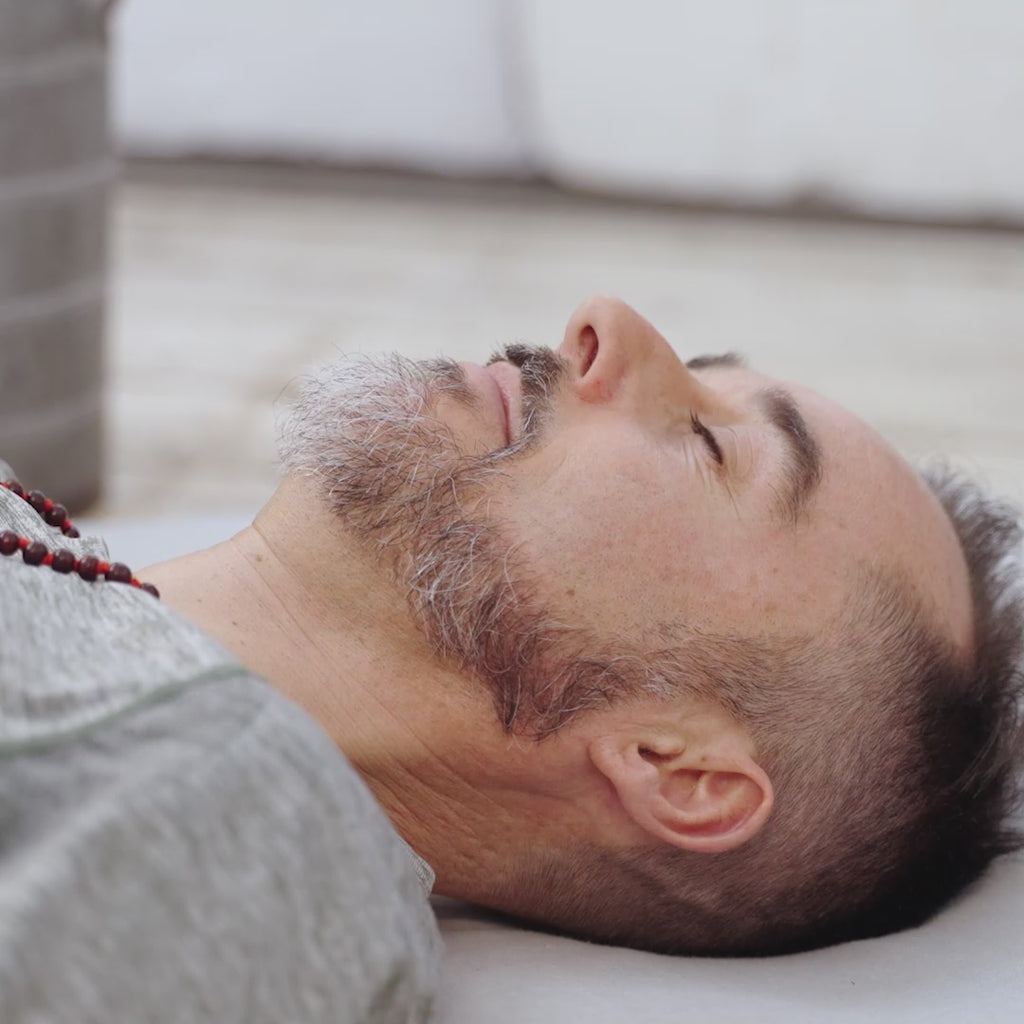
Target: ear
(707, 798)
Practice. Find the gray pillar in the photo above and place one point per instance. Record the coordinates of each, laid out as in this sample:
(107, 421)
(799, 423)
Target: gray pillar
(55, 171)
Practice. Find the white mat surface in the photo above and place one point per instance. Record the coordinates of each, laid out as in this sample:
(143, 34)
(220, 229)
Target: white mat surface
(965, 966)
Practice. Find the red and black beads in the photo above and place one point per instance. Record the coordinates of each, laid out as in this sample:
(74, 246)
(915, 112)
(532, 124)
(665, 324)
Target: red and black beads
(53, 513)
(34, 552)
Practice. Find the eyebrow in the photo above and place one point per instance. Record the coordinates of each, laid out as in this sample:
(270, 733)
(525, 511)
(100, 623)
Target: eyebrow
(727, 359)
(803, 468)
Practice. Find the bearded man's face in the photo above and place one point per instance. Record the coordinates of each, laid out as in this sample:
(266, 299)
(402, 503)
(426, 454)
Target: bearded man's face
(379, 436)
(564, 524)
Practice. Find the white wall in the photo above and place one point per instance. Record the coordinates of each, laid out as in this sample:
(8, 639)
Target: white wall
(411, 82)
(890, 106)
(899, 107)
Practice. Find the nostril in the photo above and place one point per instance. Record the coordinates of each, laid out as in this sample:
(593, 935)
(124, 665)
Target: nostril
(588, 349)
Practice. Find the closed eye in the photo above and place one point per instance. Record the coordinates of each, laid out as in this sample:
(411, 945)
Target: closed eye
(708, 438)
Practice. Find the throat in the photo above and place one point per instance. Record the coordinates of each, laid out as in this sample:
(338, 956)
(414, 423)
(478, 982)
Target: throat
(332, 635)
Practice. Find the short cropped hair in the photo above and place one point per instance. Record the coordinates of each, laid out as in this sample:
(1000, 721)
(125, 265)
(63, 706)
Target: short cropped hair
(895, 761)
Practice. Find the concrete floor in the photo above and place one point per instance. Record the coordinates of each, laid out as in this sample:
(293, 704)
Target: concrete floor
(229, 281)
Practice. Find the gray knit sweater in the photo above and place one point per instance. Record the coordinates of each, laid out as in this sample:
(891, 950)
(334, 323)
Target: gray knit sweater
(178, 842)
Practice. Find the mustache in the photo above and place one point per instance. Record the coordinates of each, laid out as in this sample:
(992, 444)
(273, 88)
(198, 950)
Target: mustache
(541, 374)
(541, 369)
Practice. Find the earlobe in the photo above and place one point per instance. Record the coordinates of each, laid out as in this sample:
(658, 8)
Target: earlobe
(706, 802)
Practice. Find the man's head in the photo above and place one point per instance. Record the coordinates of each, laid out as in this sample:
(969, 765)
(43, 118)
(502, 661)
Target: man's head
(754, 621)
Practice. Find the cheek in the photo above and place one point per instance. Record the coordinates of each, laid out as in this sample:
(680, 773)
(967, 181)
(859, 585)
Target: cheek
(618, 541)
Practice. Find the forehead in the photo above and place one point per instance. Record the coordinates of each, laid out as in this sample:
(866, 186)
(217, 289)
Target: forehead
(872, 508)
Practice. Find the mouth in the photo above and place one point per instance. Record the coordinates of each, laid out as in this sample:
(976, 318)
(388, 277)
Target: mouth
(498, 385)
(507, 380)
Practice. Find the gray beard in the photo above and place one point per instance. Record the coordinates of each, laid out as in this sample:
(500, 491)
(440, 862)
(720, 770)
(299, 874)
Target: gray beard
(394, 476)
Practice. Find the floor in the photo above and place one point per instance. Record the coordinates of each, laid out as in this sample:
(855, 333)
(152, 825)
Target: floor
(228, 281)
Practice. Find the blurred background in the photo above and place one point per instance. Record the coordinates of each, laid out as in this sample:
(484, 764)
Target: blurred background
(200, 199)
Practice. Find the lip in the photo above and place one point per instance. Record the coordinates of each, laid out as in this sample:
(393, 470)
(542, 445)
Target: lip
(490, 385)
(507, 380)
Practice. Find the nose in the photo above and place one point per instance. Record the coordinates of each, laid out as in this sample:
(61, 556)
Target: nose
(618, 357)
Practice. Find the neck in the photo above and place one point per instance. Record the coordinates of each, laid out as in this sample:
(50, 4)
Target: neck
(307, 607)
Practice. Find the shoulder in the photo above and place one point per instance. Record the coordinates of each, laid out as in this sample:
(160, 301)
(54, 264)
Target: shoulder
(78, 652)
(222, 847)
(175, 833)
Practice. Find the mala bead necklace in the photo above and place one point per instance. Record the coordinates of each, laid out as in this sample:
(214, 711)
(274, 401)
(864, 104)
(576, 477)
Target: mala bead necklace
(34, 552)
(53, 513)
